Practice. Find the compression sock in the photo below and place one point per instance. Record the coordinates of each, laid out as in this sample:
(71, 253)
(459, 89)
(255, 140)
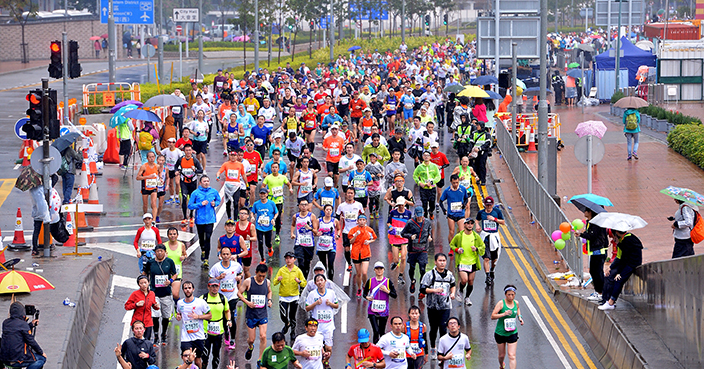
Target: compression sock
(348, 257)
(155, 329)
(164, 326)
(470, 288)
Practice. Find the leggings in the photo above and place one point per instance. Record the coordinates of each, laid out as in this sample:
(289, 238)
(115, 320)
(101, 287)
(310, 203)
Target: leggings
(287, 311)
(427, 198)
(213, 344)
(263, 238)
(374, 203)
(596, 269)
(233, 314)
(328, 260)
(437, 320)
(186, 191)
(231, 211)
(420, 258)
(378, 326)
(204, 233)
(416, 363)
(277, 223)
(164, 326)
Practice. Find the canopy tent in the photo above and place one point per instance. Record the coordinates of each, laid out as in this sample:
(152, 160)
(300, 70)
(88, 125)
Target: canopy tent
(632, 58)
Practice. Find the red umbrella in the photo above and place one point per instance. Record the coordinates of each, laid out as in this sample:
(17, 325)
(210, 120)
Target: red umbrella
(93, 38)
(16, 281)
(105, 35)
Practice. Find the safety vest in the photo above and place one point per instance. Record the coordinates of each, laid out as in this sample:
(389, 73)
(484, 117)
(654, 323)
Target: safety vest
(479, 138)
(464, 130)
(602, 251)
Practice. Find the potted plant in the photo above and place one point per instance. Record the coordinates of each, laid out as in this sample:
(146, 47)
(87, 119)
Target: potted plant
(661, 122)
(618, 95)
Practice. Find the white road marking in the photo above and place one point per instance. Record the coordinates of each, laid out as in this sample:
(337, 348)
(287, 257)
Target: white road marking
(182, 236)
(343, 318)
(121, 281)
(125, 329)
(547, 333)
(346, 277)
(218, 217)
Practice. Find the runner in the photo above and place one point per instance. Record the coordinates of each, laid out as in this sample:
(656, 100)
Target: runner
(204, 200)
(228, 274)
(329, 230)
(247, 230)
(145, 241)
(214, 326)
(268, 112)
(488, 223)
(507, 313)
(469, 249)
(396, 346)
(321, 304)
(148, 174)
(361, 237)
(465, 173)
(275, 182)
(310, 123)
(427, 176)
(261, 135)
(417, 336)
(439, 287)
(398, 190)
(311, 347)
(347, 165)
(457, 198)
(201, 131)
(278, 355)
(265, 213)
(326, 196)
(161, 272)
(454, 348)
(188, 167)
(333, 145)
(162, 185)
(255, 160)
(305, 178)
(438, 158)
(258, 299)
(192, 312)
(304, 226)
(364, 354)
(234, 181)
(418, 233)
(172, 154)
(397, 220)
(292, 281)
(359, 180)
(142, 301)
(378, 290)
(376, 170)
(348, 212)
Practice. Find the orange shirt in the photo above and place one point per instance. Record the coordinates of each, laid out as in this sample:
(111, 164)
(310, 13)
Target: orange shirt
(234, 172)
(150, 183)
(367, 124)
(333, 145)
(360, 250)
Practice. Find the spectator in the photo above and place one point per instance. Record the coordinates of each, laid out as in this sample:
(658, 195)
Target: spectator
(136, 352)
(631, 249)
(16, 336)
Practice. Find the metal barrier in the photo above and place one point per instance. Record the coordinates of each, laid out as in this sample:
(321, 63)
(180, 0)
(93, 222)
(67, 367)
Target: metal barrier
(72, 110)
(669, 296)
(526, 121)
(654, 93)
(542, 206)
(106, 94)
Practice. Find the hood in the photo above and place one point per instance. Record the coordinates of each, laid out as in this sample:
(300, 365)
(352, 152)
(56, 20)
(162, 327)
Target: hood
(17, 310)
(319, 265)
(169, 121)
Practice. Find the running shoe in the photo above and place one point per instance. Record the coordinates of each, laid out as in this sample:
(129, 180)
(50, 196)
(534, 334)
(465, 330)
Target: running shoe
(413, 286)
(635, 156)
(177, 201)
(277, 239)
(248, 354)
(157, 219)
(359, 293)
(205, 265)
(432, 216)
(156, 342)
(263, 262)
(433, 354)
(192, 222)
(607, 306)
(224, 153)
(401, 281)
(467, 301)
(349, 268)
(629, 158)
(421, 296)
(163, 341)
(168, 201)
(271, 251)
(184, 222)
(437, 207)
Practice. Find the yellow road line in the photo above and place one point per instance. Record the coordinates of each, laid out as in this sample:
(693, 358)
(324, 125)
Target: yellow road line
(550, 303)
(7, 185)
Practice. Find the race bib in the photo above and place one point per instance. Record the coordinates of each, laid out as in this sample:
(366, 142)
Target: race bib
(360, 193)
(315, 352)
(456, 362)
(327, 201)
(367, 130)
(510, 324)
(214, 328)
(264, 221)
(321, 101)
(310, 124)
(415, 347)
(218, 84)
(277, 191)
(324, 316)
(392, 106)
(465, 183)
(148, 245)
(151, 182)
(455, 207)
(258, 141)
(351, 215)
(227, 285)
(259, 301)
(299, 114)
(188, 172)
(335, 151)
(408, 106)
(378, 306)
(325, 241)
(358, 183)
(306, 188)
(250, 107)
(232, 136)
(176, 109)
(193, 326)
(233, 174)
(160, 280)
(442, 286)
(466, 268)
(490, 225)
(306, 240)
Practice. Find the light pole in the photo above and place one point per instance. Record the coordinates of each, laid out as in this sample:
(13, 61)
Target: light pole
(618, 47)
(403, 21)
(256, 35)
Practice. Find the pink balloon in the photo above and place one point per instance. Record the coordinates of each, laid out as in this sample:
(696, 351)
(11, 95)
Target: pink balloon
(556, 235)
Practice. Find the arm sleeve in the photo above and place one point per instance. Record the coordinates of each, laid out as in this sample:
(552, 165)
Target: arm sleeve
(392, 289)
(156, 232)
(136, 238)
(366, 287)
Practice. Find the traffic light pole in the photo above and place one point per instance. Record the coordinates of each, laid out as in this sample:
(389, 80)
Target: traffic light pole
(160, 61)
(200, 39)
(256, 37)
(111, 43)
(46, 160)
(64, 56)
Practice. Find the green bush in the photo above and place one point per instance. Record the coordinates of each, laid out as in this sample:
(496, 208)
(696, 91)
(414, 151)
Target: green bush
(673, 117)
(618, 95)
(688, 140)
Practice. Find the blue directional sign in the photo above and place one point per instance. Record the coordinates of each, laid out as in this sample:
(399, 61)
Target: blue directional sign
(366, 13)
(18, 128)
(323, 22)
(128, 11)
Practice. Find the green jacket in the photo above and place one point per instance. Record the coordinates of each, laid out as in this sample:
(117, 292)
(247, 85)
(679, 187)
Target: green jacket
(382, 153)
(426, 173)
(468, 257)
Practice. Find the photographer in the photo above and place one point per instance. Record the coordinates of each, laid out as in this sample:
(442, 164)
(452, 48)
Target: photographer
(18, 348)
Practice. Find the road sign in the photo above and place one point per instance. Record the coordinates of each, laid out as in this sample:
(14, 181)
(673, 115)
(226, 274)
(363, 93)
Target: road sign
(581, 150)
(64, 130)
(523, 6)
(128, 11)
(366, 13)
(148, 51)
(635, 7)
(186, 15)
(38, 154)
(523, 30)
(18, 128)
(179, 29)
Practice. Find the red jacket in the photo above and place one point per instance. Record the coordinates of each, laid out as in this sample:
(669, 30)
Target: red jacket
(139, 234)
(142, 313)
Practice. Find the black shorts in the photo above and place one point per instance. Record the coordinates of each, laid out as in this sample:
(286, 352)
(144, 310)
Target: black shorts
(488, 254)
(148, 192)
(346, 240)
(125, 147)
(172, 174)
(160, 193)
(199, 345)
(355, 120)
(362, 200)
(333, 168)
(252, 183)
(200, 147)
(243, 193)
(360, 261)
(247, 261)
(344, 189)
(441, 183)
(454, 218)
(309, 197)
(304, 252)
(506, 339)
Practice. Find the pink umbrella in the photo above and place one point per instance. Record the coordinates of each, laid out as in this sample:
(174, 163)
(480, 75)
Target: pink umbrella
(243, 38)
(591, 127)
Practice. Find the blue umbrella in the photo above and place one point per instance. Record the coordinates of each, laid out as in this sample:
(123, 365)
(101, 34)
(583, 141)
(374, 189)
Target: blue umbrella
(575, 73)
(599, 200)
(493, 95)
(145, 115)
(485, 80)
(119, 116)
(125, 103)
(353, 48)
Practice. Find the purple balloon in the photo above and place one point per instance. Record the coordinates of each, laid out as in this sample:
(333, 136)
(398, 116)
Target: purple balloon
(556, 235)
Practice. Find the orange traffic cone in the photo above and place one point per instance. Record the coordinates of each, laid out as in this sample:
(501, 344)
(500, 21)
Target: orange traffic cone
(72, 235)
(40, 241)
(531, 142)
(86, 180)
(18, 239)
(26, 151)
(93, 196)
(81, 224)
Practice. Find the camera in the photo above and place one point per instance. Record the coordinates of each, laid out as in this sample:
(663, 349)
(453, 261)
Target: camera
(30, 310)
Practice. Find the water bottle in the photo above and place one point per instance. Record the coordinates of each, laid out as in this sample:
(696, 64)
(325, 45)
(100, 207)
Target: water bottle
(100, 258)
(67, 302)
(35, 265)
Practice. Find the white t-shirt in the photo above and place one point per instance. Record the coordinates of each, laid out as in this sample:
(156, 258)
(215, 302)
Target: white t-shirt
(382, 141)
(268, 113)
(389, 343)
(228, 285)
(350, 212)
(171, 157)
(458, 352)
(430, 139)
(192, 329)
(346, 162)
(323, 313)
(314, 346)
(199, 129)
(415, 134)
(147, 240)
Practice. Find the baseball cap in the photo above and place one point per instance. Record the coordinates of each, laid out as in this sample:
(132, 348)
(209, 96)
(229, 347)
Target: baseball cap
(263, 190)
(379, 264)
(489, 200)
(335, 126)
(418, 211)
(290, 254)
(359, 161)
(398, 130)
(373, 154)
(401, 201)
(147, 215)
(171, 139)
(213, 281)
(363, 335)
(434, 144)
(329, 182)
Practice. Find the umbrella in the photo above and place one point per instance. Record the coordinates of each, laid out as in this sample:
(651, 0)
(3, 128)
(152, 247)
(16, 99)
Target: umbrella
(93, 38)
(243, 38)
(684, 194)
(473, 91)
(125, 103)
(353, 48)
(16, 281)
(618, 221)
(485, 80)
(119, 116)
(573, 65)
(454, 88)
(65, 141)
(144, 115)
(534, 91)
(586, 47)
(493, 95)
(520, 84)
(595, 36)
(104, 35)
(591, 127)
(164, 100)
(631, 102)
(575, 73)
(599, 200)
(582, 204)
(645, 45)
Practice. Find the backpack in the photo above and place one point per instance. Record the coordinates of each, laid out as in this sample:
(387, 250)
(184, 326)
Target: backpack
(145, 141)
(224, 303)
(697, 231)
(631, 121)
(421, 333)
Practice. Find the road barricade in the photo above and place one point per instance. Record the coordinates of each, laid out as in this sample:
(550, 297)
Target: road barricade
(526, 121)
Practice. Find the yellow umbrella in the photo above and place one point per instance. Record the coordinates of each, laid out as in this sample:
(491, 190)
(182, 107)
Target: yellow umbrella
(473, 91)
(15, 281)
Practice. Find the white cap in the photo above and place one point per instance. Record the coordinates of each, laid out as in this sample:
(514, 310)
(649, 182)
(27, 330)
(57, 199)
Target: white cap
(335, 126)
(329, 182)
(147, 215)
(379, 264)
(401, 201)
(434, 144)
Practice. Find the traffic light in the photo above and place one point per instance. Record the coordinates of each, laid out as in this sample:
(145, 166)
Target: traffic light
(74, 68)
(312, 24)
(427, 20)
(35, 127)
(55, 65)
(444, 19)
(54, 124)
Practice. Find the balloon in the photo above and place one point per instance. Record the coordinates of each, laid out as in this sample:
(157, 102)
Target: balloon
(566, 236)
(556, 235)
(565, 227)
(559, 244)
(577, 224)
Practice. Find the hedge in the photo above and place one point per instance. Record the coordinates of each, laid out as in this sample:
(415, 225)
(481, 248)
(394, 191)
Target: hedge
(673, 117)
(688, 140)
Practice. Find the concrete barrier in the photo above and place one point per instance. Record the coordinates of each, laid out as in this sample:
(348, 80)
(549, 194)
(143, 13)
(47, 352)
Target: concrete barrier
(79, 345)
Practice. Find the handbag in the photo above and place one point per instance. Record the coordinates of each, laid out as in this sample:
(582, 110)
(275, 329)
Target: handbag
(28, 179)
(58, 230)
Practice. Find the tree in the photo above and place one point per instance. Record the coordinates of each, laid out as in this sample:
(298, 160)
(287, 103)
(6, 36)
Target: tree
(21, 11)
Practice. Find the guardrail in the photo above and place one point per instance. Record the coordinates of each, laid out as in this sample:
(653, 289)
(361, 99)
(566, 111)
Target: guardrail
(541, 205)
(105, 94)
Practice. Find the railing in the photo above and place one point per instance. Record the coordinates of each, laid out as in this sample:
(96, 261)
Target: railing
(542, 206)
(108, 94)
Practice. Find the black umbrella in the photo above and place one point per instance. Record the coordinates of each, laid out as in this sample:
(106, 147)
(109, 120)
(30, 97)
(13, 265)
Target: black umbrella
(582, 204)
(65, 141)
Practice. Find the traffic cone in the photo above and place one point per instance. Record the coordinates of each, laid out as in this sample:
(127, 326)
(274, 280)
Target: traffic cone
(93, 195)
(18, 239)
(92, 165)
(531, 142)
(71, 242)
(26, 151)
(84, 188)
(81, 224)
(40, 241)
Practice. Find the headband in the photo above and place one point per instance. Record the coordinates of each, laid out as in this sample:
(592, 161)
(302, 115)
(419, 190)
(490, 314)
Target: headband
(509, 289)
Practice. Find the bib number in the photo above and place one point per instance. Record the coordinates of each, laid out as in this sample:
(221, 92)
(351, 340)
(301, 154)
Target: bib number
(466, 183)
(277, 191)
(310, 124)
(227, 285)
(214, 328)
(408, 106)
(324, 316)
(327, 201)
(306, 189)
(351, 215)
(259, 301)
(193, 326)
(378, 306)
(455, 207)
(510, 324)
(441, 286)
(258, 141)
(456, 362)
(325, 241)
(490, 225)
(148, 245)
(187, 172)
(306, 240)
(232, 174)
(232, 136)
(151, 182)
(160, 280)
(315, 352)
(264, 221)
(176, 109)
(335, 151)
(416, 348)
(466, 268)
(250, 107)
